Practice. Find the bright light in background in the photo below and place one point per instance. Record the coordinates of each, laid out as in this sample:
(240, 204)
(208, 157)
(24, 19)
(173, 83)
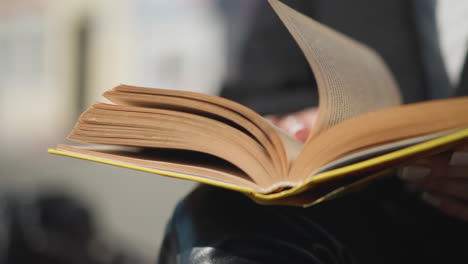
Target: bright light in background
(53, 50)
(24, 95)
(57, 57)
(168, 44)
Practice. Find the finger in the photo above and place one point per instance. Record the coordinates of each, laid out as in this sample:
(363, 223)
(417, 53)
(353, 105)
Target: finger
(459, 158)
(294, 127)
(308, 117)
(456, 188)
(437, 163)
(445, 171)
(448, 205)
(463, 147)
(460, 155)
(441, 165)
(302, 134)
(425, 178)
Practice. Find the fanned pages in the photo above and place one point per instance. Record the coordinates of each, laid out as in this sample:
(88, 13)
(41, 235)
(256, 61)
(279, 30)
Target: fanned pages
(363, 132)
(351, 78)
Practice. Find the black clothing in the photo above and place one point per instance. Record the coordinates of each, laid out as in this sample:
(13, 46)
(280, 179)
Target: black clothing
(382, 224)
(54, 228)
(273, 76)
(386, 223)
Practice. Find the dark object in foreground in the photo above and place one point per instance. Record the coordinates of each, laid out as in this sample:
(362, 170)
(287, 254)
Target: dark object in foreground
(383, 224)
(51, 228)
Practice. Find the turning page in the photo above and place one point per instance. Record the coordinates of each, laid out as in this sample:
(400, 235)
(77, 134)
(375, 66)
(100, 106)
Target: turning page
(351, 78)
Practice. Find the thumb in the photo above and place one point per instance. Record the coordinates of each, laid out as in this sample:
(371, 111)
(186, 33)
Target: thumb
(294, 127)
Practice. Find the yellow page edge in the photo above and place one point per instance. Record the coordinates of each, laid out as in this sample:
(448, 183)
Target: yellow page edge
(352, 187)
(154, 171)
(444, 140)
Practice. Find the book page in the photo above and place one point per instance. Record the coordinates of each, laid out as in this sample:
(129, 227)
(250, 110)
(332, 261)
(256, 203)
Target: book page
(351, 78)
(372, 152)
(210, 106)
(169, 129)
(381, 127)
(190, 163)
(292, 146)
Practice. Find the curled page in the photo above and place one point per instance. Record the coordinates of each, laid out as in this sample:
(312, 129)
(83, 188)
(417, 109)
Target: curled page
(352, 79)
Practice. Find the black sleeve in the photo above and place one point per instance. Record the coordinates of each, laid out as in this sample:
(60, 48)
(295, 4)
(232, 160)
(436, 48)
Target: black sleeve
(385, 223)
(272, 75)
(213, 225)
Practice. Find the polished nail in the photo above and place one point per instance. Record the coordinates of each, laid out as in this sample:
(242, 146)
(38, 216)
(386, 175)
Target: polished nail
(459, 159)
(302, 134)
(414, 173)
(292, 125)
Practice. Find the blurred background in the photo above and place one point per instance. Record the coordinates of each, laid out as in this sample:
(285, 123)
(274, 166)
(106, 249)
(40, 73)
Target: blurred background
(57, 57)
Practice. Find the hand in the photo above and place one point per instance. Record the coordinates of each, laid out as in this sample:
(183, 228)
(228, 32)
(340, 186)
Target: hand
(445, 180)
(297, 124)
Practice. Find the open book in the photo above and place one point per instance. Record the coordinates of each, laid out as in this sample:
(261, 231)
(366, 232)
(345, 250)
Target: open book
(362, 131)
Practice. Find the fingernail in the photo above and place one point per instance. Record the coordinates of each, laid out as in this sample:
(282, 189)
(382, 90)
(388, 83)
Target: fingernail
(295, 128)
(459, 159)
(302, 134)
(414, 173)
(431, 199)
